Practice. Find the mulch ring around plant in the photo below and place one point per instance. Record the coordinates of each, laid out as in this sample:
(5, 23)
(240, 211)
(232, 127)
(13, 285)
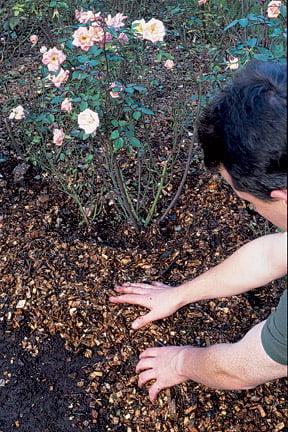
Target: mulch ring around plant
(68, 356)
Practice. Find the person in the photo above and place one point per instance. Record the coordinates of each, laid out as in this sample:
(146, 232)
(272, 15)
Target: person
(243, 135)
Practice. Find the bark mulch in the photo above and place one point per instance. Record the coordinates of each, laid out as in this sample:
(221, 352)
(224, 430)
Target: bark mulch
(67, 356)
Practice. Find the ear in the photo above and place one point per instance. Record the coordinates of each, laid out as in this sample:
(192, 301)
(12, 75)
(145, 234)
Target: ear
(280, 194)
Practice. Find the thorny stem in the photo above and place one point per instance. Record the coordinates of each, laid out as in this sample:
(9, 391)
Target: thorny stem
(126, 199)
(157, 196)
(184, 177)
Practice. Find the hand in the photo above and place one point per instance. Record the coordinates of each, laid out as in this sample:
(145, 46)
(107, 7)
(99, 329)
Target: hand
(162, 365)
(162, 300)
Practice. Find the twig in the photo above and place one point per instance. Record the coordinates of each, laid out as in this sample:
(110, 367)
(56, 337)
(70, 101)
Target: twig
(13, 140)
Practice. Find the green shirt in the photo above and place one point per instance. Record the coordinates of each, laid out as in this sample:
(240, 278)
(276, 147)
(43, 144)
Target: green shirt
(274, 332)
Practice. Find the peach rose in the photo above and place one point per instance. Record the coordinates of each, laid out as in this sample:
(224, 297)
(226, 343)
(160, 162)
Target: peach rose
(17, 113)
(233, 63)
(66, 105)
(116, 21)
(58, 136)
(169, 64)
(123, 39)
(83, 38)
(59, 79)
(34, 39)
(88, 120)
(115, 94)
(273, 9)
(139, 26)
(154, 31)
(53, 58)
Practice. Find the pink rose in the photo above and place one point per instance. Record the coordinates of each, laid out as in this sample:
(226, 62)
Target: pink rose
(83, 38)
(59, 79)
(97, 33)
(58, 136)
(66, 105)
(123, 39)
(53, 58)
(116, 21)
(115, 94)
(88, 120)
(169, 64)
(86, 16)
(154, 31)
(34, 39)
(273, 9)
(202, 2)
(43, 49)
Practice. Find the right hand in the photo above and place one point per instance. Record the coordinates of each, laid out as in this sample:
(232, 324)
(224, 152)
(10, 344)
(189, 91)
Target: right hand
(161, 299)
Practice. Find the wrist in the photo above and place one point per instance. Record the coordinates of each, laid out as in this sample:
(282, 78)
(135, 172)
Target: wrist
(189, 292)
(184, 360)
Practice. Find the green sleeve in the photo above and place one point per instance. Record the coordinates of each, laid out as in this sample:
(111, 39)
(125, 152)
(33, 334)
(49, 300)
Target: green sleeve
(274, 333)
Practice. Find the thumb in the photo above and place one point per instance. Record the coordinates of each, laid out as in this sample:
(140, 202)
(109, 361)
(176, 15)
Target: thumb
(142, 321)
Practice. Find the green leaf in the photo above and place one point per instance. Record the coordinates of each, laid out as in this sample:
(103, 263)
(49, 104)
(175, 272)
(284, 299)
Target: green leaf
(83, 58)
(283, 10)
(146, 111)
(93, 62)
(83, 106)
(89, 158)
(62, 156)
(115, 134)
(252, 42)
(56, 100)
(135, 142)
(243, 22)
(114, 122)
(95, 51)
(262, 57)
(118, 144)
(232, 24)
(85, 136)
(137, 115)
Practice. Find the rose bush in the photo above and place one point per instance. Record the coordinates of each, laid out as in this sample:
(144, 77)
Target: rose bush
(90, 108)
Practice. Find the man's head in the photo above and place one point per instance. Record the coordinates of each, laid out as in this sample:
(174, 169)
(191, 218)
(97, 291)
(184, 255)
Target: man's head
(243, 132)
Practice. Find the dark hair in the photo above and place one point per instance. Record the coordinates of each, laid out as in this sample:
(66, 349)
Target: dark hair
(245, 129)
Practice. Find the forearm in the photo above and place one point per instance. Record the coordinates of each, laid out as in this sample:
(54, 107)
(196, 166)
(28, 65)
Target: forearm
(253, 265)
(209, 366)
(231, 366)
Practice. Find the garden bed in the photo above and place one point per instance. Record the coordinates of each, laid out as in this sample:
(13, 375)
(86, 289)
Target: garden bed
(55, 283)
(67, 355)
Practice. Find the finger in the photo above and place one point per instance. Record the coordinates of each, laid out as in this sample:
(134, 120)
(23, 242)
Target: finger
(146, 363)
(149, 352)
(130, 289)
(159, 285)
(146, 376)
(129, 299)
(135, 285)
(143, 320)
(154, 391)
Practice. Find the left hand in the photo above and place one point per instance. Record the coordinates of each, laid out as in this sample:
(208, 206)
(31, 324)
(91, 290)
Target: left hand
(163, 366)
